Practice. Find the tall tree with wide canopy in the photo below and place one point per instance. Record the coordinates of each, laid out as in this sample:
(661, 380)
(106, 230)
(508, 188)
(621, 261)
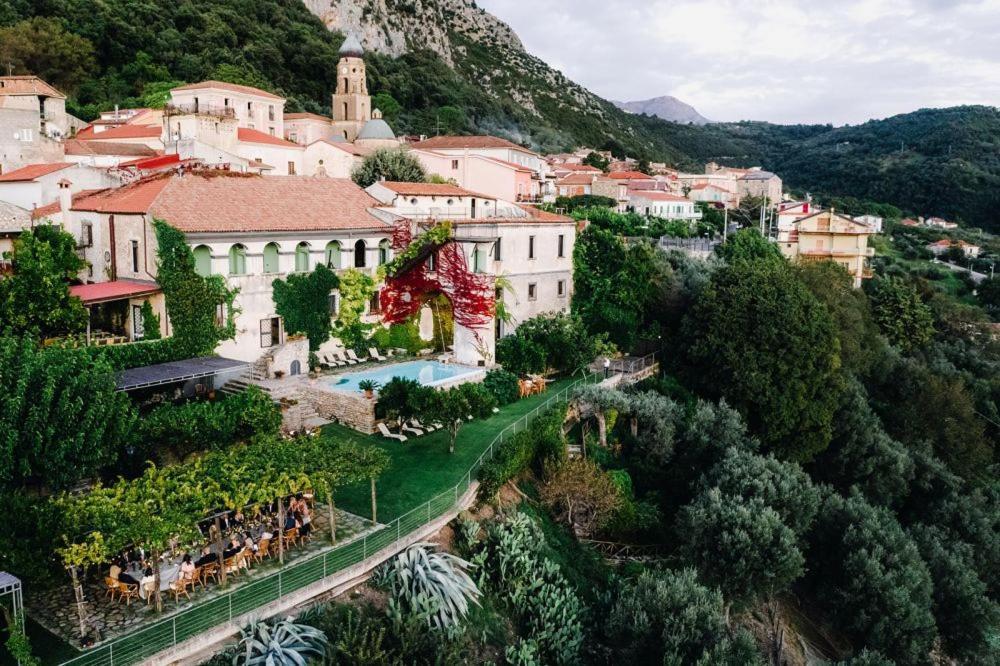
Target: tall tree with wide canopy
(757, 337)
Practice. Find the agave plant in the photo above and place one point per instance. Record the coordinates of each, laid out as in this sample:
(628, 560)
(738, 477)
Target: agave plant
(281, 643)
(433, 584)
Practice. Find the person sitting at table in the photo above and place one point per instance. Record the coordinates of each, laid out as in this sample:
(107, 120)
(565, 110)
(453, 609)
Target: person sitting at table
(207, 557)
(233, 548)
(115, 570)
(305, 519)
(148, 580)
(187, 568)
(238, 518)
(289, 521)
(248, 543)
(268, 532)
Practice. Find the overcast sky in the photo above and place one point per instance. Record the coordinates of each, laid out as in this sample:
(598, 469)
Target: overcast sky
(822, 61)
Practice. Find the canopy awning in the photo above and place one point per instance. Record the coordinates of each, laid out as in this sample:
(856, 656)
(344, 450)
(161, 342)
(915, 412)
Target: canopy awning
(115, 290)
(178, 371)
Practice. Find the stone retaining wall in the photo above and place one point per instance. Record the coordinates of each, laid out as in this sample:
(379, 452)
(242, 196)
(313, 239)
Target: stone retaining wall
(352, 409)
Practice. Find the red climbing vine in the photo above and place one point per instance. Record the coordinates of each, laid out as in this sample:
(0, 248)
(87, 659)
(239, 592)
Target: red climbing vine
(472, 295)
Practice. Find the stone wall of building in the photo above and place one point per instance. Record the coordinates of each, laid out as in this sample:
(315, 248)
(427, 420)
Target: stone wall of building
(351, 409)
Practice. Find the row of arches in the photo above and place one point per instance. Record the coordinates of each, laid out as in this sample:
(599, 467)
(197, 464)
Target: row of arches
(333, 257)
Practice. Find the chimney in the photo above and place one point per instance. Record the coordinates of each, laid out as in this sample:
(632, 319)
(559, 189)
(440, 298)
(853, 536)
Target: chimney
(65, 199)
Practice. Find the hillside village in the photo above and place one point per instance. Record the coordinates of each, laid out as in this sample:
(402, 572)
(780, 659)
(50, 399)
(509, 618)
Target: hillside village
(264, 370)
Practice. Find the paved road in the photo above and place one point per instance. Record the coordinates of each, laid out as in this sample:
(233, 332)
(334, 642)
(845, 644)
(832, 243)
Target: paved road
(976, 277)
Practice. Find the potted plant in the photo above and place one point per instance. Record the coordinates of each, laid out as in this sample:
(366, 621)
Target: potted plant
(369, 386)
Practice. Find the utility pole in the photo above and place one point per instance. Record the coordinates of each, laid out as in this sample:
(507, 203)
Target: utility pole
(725, 224)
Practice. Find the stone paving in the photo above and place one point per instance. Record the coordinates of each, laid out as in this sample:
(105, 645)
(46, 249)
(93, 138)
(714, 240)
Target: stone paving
(56, 609)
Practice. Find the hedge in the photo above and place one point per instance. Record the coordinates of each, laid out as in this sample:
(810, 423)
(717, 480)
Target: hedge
(139, 354)
(541, 442)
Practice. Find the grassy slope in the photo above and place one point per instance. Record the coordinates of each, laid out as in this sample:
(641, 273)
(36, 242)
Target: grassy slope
(422, 468)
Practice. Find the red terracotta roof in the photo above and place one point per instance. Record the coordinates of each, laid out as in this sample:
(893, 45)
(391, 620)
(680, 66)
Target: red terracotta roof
(77, 147)
(155, 162)
(709, 186)
(34, 171)
(629, 175)
(27, 85)
(453, 142)
(430, 189)
(232, 87)
(535, 216)
(576, 167)
(577, 179)
(656, 195)
(120, 132)
(114, 290)
(307, 116)
(256, 136)
(133, 199)
(55, 207)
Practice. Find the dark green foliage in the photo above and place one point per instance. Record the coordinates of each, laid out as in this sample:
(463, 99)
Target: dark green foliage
(748, 245)
(481, 402)
(557, 342)
(139, 354)
(586, 201)
(35, 299)
(869, 578)
(741, 546)
(534, 446)
(862, 455)
(192, 300)
(61, 418)
(150, 322)
(43, 47)
(402, 397)
(965, 616)
(757, 337)
(782, 486)
(304, 302)
(596, 160)
(665, 617)
(503, 385)
(209, 425)
(902, 317)
(393, 164)
(27, 546)
(988, 295)
(615, 286)
(867, 658)
(400, 336)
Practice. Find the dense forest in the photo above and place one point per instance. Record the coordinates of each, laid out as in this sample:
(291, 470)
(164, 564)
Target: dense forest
(943, 162)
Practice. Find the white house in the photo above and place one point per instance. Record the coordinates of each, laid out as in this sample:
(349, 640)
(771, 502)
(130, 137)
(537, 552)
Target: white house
(432, 200)
(873, 221)
(252, 108)
(38, 185)
(663, 204)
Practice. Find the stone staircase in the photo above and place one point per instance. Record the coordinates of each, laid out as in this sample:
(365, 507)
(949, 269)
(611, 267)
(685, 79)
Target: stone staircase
(294, 417)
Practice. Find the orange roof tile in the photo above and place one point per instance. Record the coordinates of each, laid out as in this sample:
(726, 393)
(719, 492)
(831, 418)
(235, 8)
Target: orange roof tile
(430, 189)
(577, 179)
(256, 136)
(77, 147)
(55, 207)
(576, 167)
(535, 216)
(115, 290)
(307, 116)
(27, 85)
(34, 171)
(133, 199)
(452, 142)
(232, 87)
(629, 175)
(120, 132)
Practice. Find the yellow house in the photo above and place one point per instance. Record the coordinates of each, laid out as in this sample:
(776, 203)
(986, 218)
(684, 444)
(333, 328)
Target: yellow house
(826, 236)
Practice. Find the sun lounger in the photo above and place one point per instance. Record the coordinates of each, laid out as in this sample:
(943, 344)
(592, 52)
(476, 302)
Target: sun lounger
(390, 435)
(373, 353)
(416, 431)
(328, 361)
(347, 361)
(351, 356)
(417, 424)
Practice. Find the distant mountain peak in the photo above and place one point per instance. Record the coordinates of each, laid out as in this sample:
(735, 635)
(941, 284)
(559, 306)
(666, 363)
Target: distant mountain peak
(666, 107)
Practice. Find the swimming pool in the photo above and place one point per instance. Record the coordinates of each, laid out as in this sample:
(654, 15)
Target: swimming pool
(428, 373)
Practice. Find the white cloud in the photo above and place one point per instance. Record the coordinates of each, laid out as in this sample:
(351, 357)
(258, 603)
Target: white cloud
(839, 61)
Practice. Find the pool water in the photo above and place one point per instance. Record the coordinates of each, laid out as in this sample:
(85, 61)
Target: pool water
(428, 373)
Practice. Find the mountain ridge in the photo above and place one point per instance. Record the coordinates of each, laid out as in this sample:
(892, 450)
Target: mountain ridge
(665, 107)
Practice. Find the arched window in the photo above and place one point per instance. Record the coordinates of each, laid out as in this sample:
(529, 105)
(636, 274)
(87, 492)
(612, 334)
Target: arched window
(237, 260)
(332, 257)
(271, 258)
(359, 254)
(302, 257)
(383, 252)
(203, 260)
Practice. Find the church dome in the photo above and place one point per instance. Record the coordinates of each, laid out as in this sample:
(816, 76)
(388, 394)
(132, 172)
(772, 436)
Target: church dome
(376, 128)
(351, 48)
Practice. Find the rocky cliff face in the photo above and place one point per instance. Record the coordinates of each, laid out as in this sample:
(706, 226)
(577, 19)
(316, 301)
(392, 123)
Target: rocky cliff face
(481, 47)
(394, 27)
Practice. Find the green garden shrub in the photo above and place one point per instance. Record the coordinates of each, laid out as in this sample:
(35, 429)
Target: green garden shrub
(503, 385)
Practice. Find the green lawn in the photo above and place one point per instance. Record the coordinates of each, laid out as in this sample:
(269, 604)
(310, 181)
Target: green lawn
(422, 467)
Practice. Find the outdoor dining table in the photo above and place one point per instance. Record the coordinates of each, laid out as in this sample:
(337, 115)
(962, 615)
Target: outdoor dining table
(169, 572)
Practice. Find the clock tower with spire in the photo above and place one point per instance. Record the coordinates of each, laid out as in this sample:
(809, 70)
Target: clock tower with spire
(352, 106)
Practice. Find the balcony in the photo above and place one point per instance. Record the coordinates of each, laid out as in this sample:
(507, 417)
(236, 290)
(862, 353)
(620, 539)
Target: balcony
(199, 109)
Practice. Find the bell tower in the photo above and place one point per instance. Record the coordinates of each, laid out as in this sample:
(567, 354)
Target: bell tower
(352, 106)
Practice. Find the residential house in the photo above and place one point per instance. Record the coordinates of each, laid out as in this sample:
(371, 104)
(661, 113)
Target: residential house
(39, 184)
(707, 193)
(307, 128)
(252, 108)
(566, 169)
(104, 154)
(417, 201)
(576, 184)
(617, 189)
(13, 221)
(663, 204)
(33, 120)
(145, 135)
(938, 248)
(790, 212)
(827, 236)
(332, 158)
(759, 183)
(939, 223)
(500, 178)
(873, 221)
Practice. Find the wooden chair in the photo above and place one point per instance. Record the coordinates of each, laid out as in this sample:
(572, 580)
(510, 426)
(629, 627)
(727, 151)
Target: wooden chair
(195, 579)
(210, 570)
(292, 536)
(150, 591)
(112, 587)
(127, 592)
(232, 567)
(263, 550)
(179, 587)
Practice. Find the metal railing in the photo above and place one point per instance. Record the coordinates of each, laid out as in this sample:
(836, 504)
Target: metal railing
(632, 365)
(147, 641)
(199, 109)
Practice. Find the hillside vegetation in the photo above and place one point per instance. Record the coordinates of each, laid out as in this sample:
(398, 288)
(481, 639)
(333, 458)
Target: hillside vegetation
(942, 162)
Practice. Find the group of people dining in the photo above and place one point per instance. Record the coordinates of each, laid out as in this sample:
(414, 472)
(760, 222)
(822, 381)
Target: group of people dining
(235, 540)
(531, 385)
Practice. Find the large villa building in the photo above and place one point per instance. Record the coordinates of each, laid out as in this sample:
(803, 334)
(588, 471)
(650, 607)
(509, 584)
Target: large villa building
(827, 236)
